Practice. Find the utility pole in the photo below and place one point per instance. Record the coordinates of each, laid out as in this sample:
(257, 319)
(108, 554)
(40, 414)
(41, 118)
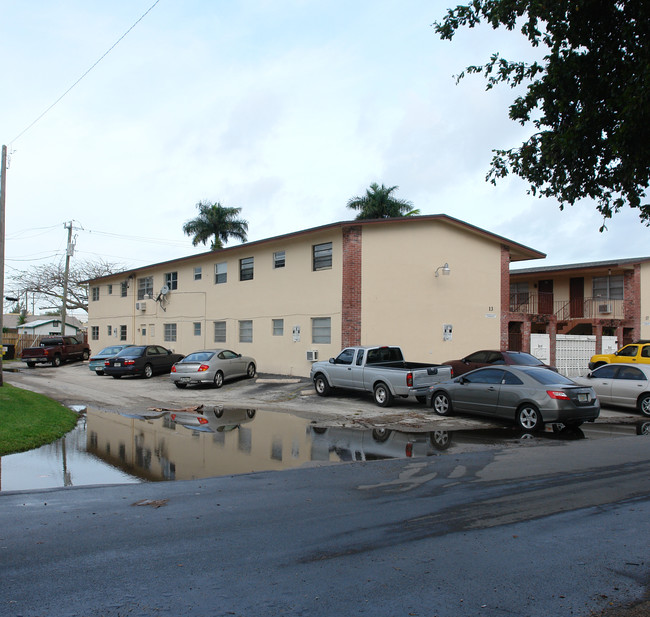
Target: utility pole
(68, 254)
(3, 190)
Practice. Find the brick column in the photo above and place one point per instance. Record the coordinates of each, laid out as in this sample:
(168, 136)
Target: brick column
(351, 287)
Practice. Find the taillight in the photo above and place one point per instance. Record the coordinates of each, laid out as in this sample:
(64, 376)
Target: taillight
(202, 420)
(409, 450)
(173, 417)
(409, 380)
(202, 368)
(174, 368)
(128, 362)
(558, 394)
(107, 362)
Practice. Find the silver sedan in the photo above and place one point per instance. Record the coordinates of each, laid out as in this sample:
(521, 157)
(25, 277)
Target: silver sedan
(621, 384)
(529, 396)
(211, 366)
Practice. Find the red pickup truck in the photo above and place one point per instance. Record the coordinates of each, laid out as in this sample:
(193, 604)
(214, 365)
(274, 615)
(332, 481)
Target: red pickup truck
(55, 350)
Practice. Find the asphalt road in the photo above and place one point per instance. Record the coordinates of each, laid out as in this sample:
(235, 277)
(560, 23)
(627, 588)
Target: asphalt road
(559, 529)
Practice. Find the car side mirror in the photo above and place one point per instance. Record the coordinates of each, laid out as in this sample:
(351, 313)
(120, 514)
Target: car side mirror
(590, 375)
(462, 380)
(332, 361)
(239, 355)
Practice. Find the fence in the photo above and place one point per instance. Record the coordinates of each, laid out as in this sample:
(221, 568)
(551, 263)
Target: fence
(572, 352)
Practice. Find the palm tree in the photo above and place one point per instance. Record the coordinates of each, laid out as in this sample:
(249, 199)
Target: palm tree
(377, 203)
(218, 221)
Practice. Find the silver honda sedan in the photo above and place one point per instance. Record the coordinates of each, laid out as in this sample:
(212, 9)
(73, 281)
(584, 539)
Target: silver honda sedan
(529, 396)
(211, 366)
(621, 384)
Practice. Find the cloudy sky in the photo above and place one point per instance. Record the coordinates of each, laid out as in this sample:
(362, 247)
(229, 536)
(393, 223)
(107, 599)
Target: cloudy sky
(284, 108)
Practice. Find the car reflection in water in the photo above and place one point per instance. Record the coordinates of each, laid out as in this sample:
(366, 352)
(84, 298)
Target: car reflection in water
(379, 443)
(212, 420)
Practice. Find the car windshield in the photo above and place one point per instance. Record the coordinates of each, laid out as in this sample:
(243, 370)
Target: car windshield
(110, 351)
(199, 356)
(131, 351)
(525, 359)
(548, 377)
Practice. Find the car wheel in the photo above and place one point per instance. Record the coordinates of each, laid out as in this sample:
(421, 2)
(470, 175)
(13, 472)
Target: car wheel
(383, 396)
(180, 385)
(598, 365)
(147, 372)
(421, 399)
(218, 412)
(250, 413)
(381, 434)
(100, 373)
(56, 361)
(86, 355)
(250, 371)
(441, 404)
(321, 385)
(31, 364)
(644, 405)
(529, 418)
(643, 428)
(218, 379)
(116, 376)
(440, 440)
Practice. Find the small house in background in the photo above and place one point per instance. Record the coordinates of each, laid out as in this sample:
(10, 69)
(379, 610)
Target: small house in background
(47, 327)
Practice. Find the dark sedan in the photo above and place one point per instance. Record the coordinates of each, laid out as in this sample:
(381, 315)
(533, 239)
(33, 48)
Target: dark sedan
(491, 357)
(141, 360)
(526, 395)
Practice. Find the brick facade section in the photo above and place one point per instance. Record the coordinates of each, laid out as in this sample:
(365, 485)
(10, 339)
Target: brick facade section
(351, 291)
(632, 300)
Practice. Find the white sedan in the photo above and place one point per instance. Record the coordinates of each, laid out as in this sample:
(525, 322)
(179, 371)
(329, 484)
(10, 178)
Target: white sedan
(621, 384)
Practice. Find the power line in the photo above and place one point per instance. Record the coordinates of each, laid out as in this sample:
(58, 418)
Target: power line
(86, 73)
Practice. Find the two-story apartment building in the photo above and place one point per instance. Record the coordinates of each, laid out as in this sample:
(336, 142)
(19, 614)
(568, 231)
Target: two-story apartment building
(597, 299)
(433, 284)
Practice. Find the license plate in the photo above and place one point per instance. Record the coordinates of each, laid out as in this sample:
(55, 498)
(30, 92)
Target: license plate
(583, 398)
(184, 379)
(117, 364)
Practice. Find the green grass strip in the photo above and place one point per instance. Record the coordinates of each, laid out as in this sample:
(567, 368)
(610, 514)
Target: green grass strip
(29, 420)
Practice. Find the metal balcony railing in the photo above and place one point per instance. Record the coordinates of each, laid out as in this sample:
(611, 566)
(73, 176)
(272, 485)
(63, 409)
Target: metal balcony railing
(581, 308)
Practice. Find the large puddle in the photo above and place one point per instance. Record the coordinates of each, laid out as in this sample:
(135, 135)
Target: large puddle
(112, 448)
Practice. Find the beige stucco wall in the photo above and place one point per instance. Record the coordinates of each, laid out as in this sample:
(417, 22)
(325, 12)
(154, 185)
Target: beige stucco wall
(294, 293)
(645, 301)
(404, 303)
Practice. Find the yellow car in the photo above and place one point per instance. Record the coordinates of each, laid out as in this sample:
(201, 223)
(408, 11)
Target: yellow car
(635, 353)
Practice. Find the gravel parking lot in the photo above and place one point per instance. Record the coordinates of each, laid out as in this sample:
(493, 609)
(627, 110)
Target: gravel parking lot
(75, 384)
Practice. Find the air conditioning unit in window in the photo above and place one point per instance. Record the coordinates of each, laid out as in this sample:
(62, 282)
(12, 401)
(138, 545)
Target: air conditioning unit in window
(312, 355)
(604, 309)
(140, 306)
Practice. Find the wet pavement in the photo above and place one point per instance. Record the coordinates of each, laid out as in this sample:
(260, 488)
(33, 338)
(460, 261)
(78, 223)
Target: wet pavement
(162, 445)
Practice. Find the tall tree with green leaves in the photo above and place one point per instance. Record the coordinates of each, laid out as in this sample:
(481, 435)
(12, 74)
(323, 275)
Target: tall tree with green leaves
(218, 222)
(587, 103)
(378, 203)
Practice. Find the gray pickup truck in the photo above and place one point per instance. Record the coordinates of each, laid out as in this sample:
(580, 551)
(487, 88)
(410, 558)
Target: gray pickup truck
(380, 370)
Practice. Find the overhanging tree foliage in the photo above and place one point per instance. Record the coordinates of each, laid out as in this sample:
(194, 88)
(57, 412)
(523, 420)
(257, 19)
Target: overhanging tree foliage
(46, 282)
(588, 102)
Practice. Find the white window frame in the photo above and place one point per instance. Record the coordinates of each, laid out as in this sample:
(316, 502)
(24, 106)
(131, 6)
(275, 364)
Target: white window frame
(221, 272)
(279, 259)
(170, 332)
(321, 330)
(245, 330)
(278, 327)
(219, 331)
